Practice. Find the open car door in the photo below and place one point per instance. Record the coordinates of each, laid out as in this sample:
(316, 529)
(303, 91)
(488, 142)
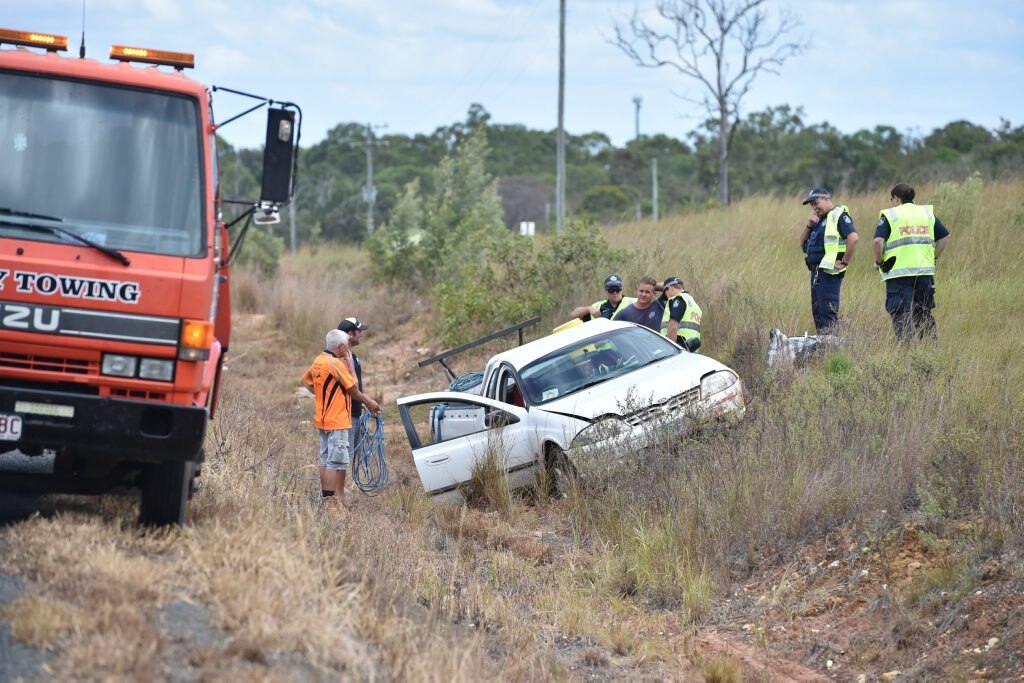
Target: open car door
(453, 433)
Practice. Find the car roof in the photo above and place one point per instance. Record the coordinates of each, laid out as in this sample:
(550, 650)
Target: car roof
(527, 353)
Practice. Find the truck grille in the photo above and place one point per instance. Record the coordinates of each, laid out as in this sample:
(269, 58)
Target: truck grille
(676, 404)
(67, 366)
(137, 394)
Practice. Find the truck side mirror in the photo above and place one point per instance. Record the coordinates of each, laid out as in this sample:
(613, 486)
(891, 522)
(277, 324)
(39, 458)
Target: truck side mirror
(278, 153)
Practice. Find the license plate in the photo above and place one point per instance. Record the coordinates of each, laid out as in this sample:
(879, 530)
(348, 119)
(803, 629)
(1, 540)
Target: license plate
(10, 427)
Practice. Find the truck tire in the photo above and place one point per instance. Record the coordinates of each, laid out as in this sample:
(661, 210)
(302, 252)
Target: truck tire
(165, 493)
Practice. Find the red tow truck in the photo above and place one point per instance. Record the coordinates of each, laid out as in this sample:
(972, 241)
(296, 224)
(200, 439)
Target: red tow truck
(115, 313)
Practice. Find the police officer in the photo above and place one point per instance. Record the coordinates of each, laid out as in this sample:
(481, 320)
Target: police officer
(681, 320)
(829, 241)
(605, 308)
(908, 241)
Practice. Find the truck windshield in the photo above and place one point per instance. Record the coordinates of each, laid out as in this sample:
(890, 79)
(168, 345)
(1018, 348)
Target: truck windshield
(119, 166)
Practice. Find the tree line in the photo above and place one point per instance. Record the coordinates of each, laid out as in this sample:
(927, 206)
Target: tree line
(773, 151)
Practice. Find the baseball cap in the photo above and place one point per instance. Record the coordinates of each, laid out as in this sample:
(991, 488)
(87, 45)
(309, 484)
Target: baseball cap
(612, 281)
(349, 324)
(673, 280)
(816, 193)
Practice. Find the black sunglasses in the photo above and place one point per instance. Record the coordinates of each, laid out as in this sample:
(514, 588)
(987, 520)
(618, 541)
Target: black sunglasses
(613, 290)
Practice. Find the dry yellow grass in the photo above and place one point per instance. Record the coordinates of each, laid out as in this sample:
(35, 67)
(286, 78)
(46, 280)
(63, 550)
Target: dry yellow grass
(601, 582)
(744, 266)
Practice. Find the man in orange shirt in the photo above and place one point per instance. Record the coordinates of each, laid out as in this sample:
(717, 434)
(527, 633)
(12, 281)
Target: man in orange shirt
(333, 386)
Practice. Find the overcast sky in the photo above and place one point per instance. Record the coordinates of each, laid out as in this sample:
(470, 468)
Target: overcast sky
(415, 65)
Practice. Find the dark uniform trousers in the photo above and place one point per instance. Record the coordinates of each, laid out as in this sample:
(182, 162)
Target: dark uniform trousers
(824, 298)
(909, 301)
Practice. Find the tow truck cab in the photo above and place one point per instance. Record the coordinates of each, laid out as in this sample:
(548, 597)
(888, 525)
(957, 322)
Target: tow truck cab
(114, 291)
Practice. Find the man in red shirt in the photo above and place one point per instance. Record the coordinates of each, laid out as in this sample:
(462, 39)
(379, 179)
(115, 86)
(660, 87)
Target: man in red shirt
(333, 386)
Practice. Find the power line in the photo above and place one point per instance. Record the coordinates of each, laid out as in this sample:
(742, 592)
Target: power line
(560, 155)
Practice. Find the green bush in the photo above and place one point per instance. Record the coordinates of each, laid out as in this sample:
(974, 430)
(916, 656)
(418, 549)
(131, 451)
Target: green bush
(950, 484)
(393, 247)
(448, 225)
(512, 278)
(958, 201)
(606, 202)
(261, 250)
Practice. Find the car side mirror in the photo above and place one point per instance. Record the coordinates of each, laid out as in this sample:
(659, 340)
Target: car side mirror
(278, 153)
(692, 344)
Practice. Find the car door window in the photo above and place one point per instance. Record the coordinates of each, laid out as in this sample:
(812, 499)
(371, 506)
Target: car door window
(439, 421)
(510, 390)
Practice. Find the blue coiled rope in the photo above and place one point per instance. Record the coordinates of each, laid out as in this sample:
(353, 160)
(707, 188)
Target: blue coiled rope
(369, 467)
(466, 382)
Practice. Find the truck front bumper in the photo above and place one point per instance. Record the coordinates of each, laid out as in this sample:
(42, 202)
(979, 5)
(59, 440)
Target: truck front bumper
(115, 429)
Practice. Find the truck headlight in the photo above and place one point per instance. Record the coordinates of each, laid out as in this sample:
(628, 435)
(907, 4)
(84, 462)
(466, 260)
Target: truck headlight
(157, 368)
(716, 382)
(118, 366)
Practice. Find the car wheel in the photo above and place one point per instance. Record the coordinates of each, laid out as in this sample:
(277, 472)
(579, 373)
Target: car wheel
(560, 472)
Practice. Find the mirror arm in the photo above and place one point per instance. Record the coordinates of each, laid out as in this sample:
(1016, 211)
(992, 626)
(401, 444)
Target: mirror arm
(238, 116)
(246, 214)
(235, 248)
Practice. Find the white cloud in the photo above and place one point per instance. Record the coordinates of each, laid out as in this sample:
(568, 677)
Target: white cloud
(162, 10)
(226, 60)
(418, 65)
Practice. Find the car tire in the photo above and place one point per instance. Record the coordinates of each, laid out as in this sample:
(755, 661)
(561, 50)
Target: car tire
(560, 474)
(165, 493)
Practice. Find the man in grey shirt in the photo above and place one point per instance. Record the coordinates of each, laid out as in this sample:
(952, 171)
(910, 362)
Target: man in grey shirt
(646, 310)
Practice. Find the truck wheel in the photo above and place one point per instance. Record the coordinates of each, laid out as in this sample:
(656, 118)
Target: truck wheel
(165, 493)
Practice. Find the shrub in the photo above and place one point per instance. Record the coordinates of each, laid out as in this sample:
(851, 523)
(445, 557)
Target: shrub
(959, 201)
(449, 225)
(261, 250)
(393, 247)
(513, 278)
(607, 202)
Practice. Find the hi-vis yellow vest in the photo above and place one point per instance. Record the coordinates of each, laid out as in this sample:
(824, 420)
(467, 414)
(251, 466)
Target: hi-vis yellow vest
(689, 326)
(911, 240)
(626, 301)
(834, 242)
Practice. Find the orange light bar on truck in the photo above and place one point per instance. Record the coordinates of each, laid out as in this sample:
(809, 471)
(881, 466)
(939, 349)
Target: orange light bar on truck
(196, 340)
(32, 39)
(179, 60)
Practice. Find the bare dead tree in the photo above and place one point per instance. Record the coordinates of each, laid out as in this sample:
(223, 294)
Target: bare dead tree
(722, 44)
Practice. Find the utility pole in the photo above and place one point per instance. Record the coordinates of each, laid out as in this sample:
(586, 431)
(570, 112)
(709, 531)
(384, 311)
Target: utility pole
(369, 189)
(654, 188)
(560, 161)
(291, 223)
(637, 101)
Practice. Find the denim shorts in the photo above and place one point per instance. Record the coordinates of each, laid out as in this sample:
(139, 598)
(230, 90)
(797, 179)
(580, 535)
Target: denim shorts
(334, 449)
(354, 434)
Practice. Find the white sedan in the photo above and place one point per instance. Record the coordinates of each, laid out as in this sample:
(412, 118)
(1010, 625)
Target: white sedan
(583, 392)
